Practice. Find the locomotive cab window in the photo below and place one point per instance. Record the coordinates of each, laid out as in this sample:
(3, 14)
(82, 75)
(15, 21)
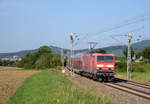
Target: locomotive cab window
(108, 58)
(104, 58)
(100, 58)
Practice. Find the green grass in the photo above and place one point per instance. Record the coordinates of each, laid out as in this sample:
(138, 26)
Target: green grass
(139, 76)
(136, 67)
(50, 87)
(140, 71)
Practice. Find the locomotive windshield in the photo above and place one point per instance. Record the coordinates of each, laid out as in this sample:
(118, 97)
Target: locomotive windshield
(105, 58)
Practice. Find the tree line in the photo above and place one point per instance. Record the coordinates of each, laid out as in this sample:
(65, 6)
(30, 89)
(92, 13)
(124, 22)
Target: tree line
(145, 53)
(7, 63)
(141, 66)
(41, 59)
(44, 58)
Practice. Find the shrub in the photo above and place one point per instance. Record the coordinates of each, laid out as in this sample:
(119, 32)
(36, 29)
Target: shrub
(138, 67)
(43, 61)
(58, 67)
(121, 66)
(146, 53)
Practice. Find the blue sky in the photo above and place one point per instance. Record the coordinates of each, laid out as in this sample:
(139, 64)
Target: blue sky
(29, 24)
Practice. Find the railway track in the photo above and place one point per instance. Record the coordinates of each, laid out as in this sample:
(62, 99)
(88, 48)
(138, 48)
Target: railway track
(135, 88)
(131, 87)
(132, 83)
(139, 84)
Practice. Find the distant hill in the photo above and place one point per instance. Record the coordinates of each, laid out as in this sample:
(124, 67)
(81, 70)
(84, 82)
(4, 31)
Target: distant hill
(141, 45)
(54, 49)
(118, 50)
(20, 53)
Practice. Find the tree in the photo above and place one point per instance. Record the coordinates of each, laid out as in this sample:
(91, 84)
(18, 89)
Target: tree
(125, 52)
(16, 64)
(138, 54)
(5, 63)
(146, 53)
(44, 49)
(28, 60)
(56, 60)
(0, 63)
(43, 61)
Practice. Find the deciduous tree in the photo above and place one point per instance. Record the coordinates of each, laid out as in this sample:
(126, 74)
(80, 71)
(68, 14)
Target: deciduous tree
(146, 53)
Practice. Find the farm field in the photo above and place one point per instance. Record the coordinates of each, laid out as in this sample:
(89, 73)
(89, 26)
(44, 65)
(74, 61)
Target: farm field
(6, 68)
(50, 87)
(10, 79)
(143, 77)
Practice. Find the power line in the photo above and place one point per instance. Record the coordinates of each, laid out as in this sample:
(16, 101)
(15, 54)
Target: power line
(125, 24)
(120, 26)
(134, 30)
(115, 36)
(139, 16)
(134, 20)
(117, 39)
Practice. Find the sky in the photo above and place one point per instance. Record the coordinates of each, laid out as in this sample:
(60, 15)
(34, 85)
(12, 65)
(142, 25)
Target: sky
(29, 24)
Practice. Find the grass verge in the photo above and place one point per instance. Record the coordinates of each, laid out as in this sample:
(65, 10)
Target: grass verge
(50, 87)
(143, 77)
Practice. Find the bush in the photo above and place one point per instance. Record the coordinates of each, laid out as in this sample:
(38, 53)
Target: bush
(121, 66)
(138, 67)
(58, 67)
(43, 61)
(146, 53)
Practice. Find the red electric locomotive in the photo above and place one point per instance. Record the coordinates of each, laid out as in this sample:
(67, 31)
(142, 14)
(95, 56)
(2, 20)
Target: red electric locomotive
(95, 65)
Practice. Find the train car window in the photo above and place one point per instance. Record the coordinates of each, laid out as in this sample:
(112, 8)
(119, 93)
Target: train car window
(105, 58)
(100, 58)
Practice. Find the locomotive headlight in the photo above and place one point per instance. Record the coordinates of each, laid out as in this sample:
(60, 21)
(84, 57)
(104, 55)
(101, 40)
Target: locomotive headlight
(100, 65)
(110, 66)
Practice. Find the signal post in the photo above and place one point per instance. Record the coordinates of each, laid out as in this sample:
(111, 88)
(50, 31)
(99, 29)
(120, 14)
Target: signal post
(71, 52)
(129, 63)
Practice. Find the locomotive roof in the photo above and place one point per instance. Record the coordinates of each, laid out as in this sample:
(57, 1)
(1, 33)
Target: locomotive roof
(95, 54)
(105, 54)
